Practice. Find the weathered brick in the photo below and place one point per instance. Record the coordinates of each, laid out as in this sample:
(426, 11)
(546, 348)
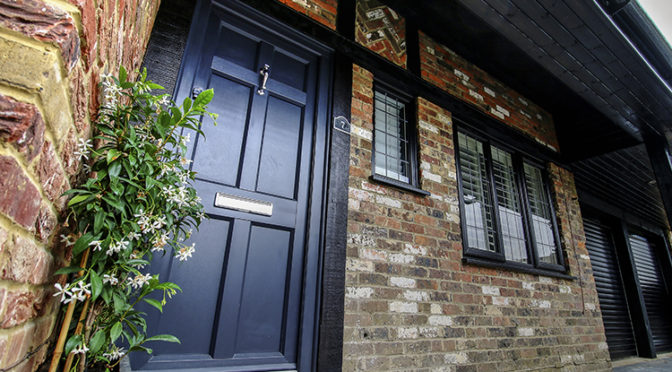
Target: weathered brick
(23, 305)
(19, 198)
(21, 124)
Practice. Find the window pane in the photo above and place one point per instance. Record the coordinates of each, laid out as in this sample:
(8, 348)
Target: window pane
(510, 218)
(476, 195)
(541, 215)
(391, 143)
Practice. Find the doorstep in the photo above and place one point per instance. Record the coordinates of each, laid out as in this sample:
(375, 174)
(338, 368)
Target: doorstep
(662, 363)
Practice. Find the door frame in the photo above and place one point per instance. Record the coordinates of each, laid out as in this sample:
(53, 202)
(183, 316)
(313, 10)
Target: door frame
(323, 287)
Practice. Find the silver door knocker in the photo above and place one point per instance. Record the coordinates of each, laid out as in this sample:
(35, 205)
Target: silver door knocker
(263, 72)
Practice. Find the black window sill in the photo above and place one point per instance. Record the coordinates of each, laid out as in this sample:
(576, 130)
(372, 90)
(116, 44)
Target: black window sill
(515, 267)
(398, 184)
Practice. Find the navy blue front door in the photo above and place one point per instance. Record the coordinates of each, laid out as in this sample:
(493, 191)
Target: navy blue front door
(250, 293)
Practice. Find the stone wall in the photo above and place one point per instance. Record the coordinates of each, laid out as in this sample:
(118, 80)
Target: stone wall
(411, 304)
(52, 53)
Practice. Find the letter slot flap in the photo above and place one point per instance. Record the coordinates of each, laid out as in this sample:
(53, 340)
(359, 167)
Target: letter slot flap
(238, 203)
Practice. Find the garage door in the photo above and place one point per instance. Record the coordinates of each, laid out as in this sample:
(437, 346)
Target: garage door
(656, 294)
(610, 289)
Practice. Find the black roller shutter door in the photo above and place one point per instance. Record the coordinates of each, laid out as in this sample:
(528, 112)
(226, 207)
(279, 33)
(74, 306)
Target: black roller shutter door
(610, 289)
(656, 294)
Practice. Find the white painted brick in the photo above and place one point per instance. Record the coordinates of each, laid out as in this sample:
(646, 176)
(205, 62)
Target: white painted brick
(528, 285)
(503, 110)
(461, 75)
(489, 91)
(429, 127)
(565, 359)
(359, 194)
(440, 320)
(590, 306)
(403, 307)
(436, 196)
(603, 346)
(524, 332)
(539, 117)
(500, 301)
(375, 14)
(490, 290)
(526, 114)
(361, 240)
(398, 281)
(355, 264)
(429, 332)
(425, 165)
(543, 304)
(401, 258)
(388, 201)
(546, 280)
(373, 254)
(584, 257)
(410, 332)
(416, 295)
(363, 292)
(353, 204)
(435, 309)
(431, 176)
(456, 358)
(415, 249)
(497, 113)
(443, 118)
(523, 101)
(430, 50)
(565, 289)
(475, 94)
(371, 187)
(361, 132)
(452, 175)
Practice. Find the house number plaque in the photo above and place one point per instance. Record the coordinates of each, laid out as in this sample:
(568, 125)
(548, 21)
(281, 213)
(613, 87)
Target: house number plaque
(243, 204)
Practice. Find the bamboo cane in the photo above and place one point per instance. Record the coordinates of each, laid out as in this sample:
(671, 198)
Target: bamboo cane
(58, 350)
(78, 330)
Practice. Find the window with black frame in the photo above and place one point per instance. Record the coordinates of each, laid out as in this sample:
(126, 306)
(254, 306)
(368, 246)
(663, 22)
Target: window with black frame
(394, 145)
(507, 215)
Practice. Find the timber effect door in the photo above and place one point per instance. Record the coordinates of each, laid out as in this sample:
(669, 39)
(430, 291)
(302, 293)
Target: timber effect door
(251, 291)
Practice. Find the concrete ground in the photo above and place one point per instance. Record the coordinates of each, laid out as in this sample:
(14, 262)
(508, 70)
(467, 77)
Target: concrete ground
(661, 364)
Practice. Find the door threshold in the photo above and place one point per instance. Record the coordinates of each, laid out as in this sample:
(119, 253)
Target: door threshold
(125, 366)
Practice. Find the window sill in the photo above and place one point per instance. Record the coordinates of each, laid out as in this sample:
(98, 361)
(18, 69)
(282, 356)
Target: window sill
(398, 184)
(513, 267)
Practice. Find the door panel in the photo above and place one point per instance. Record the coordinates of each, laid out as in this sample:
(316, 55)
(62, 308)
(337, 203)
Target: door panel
(610, 289)
(250, 299)
(656, 294)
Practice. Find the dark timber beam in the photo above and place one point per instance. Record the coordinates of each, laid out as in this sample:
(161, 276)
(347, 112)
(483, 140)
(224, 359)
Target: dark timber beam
(661, 161)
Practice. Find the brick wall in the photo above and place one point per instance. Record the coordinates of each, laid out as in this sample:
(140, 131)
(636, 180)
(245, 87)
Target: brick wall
(322, 11)
(52, 53)
(447, 70)
(382, 30)
(411, 303)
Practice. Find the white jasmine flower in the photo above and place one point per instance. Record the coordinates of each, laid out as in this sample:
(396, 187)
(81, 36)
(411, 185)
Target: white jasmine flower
(139, 281)
(80, 349)
(159, 242)
(111, 279)
(134, 236)
(66, 239)
(115, 353)
(96, 245)
(186, 252)
(185, 162)
(63, 292)
(80, 292)
(83, 148)
(185, 139)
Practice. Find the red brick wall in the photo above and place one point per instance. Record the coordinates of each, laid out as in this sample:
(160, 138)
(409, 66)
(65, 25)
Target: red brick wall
(447, 70)
(322, 11)
(51, 57)
(410, 301)
(382, 30)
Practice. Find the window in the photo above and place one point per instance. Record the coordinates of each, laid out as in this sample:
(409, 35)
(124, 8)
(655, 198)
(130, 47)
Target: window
(507, 215)
(394, 145)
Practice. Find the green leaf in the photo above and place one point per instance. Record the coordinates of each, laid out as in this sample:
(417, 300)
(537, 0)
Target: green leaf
(112, 155)
(115, 203)
(186, 104)
(96, 285)
(67, 270)
(72, 342)
(98, 221)
(115, 332)
(204, 98)
(115, 169)
(119, 303)
(97, 341)
(122, 74)
(140, 348)
(78, 199)
(155, 303)
(154, 85)
(82, 243)
(166, 338)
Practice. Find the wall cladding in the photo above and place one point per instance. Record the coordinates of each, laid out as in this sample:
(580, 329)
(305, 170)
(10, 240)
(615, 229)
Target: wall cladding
(322, 11)
(410, 302)
(51, 56)
(442, 67)
(379, 28)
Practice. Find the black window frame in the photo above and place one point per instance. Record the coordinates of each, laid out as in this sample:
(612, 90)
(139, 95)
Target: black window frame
(412, 149)
(497, 259)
